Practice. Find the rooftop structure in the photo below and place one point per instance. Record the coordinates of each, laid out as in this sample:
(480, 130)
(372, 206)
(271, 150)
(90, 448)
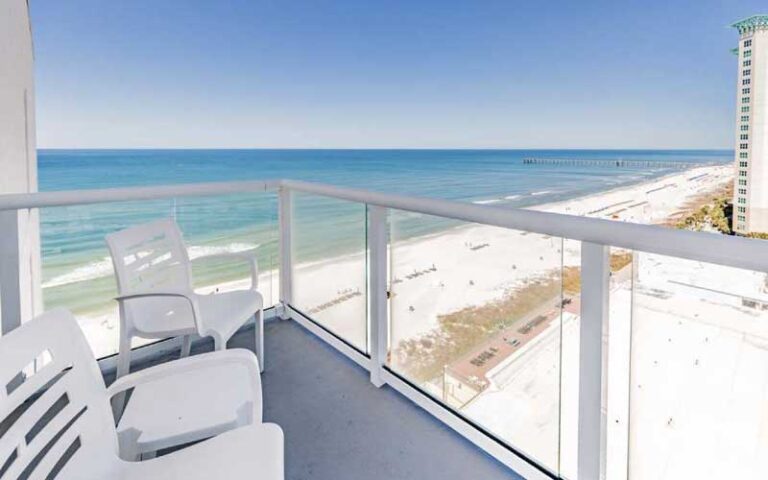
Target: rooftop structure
(466, 378)
(751, 24)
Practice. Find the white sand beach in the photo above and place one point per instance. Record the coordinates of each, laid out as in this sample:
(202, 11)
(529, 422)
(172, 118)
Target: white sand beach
(505, 259)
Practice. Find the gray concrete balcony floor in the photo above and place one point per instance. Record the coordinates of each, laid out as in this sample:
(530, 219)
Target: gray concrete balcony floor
(338, 426)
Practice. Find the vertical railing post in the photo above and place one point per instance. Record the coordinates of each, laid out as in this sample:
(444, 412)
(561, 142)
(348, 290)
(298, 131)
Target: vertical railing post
(285, 210)
(10, 271)
(378, 239)
(20, 290)
(595, 285)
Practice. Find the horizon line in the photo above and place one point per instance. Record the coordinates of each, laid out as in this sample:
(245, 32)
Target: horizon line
(401, 148)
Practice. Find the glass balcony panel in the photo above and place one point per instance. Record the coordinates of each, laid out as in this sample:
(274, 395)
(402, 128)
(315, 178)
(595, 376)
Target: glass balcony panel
(476, 319)
(243, 223)
(569, 383)
(77, 269)
(616, 363)
(699, 371)
(329, 238)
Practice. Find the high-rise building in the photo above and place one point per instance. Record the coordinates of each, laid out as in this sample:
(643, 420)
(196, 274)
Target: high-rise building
(750, 192)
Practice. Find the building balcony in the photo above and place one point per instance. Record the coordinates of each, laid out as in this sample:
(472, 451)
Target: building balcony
(338, 425)
(411, 337)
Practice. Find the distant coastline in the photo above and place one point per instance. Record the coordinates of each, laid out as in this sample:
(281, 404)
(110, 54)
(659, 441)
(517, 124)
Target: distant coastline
(325, 228)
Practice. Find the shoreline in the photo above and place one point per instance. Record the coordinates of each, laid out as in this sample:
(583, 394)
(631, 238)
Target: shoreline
(473, 277)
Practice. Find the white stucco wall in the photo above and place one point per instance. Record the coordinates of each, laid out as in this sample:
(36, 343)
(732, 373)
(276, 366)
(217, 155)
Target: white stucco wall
(19, 233)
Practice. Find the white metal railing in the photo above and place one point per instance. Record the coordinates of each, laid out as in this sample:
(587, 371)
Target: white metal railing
(719, 249)
(596, 235)
(64, 198)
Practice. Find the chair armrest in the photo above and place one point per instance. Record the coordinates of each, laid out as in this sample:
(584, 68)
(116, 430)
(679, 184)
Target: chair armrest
(190, 297)
(236, 356)
(252, 452)
(250, 258)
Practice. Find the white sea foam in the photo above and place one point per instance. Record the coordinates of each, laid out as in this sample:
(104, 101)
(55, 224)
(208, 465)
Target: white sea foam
(196, 251)
(99, 268)
(543, 192)
(103, 267)
(512, 197)
(487, 202)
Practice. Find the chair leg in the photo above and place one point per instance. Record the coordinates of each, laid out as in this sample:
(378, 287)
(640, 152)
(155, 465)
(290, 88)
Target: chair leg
(124, 356)
(186, 345)
(123, 368)
(127, 445)
(259, 330)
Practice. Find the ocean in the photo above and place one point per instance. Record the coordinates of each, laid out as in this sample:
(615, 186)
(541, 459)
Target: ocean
(75, 258)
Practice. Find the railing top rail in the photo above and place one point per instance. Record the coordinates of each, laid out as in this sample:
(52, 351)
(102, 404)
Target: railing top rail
(65, 198)
(739, 252)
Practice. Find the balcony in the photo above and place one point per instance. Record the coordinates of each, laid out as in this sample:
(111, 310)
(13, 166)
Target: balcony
(339, 426)
(424, 338)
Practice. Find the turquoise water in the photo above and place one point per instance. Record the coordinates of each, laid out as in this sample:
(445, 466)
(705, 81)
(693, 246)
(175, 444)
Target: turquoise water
(75, 257)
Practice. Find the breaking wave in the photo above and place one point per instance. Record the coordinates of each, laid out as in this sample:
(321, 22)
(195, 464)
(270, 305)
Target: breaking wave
(103, 267)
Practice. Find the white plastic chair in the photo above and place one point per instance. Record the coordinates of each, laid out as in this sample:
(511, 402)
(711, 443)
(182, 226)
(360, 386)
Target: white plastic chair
(58, 423)
(186, 401)
(156, 298)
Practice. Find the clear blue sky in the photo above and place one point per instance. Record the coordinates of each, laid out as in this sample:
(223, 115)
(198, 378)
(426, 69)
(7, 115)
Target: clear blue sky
(411, 73)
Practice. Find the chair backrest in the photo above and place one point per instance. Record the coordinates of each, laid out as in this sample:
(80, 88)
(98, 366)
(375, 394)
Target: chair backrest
(149, 256)
(53, 401)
